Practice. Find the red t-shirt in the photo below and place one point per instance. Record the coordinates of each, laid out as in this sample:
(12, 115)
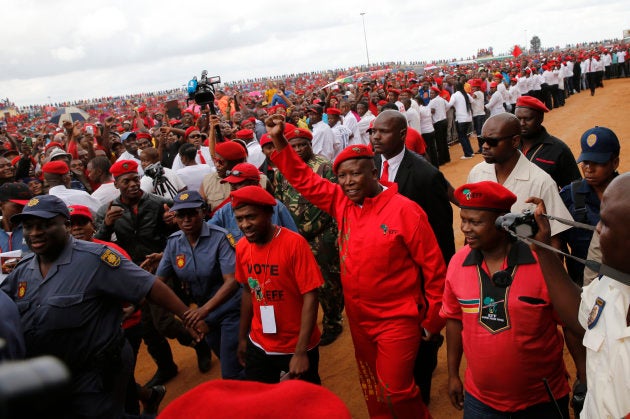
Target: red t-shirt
(505, 368)
(415, 142)
(279, 273)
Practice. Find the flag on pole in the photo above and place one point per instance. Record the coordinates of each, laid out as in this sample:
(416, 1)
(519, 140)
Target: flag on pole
(517, 51)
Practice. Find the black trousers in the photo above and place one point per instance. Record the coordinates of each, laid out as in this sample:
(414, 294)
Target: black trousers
(267, 368)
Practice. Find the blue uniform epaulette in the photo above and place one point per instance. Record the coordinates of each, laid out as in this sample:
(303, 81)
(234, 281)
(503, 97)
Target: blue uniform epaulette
(175, 235)
(24, 259)
(107, 255)
(228, 235)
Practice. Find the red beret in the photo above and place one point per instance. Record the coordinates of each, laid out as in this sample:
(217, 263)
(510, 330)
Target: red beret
(80, 211)
(407, 91)
(251, 195)
(58, 167)
(235, 399)
(142, 108)
(493, 84)
(298, 133)
(358, 151)
(53, 144)
(396, 91)
(248, 120)
(532, 103)
(242, 172)
(245, 134)
(143, 135)
(382, 102)
(122, 167)
(498, 76)
(436, 90)
(189, 130)
(486, 196)
(231, 151)
(265, 139)
(333, 111)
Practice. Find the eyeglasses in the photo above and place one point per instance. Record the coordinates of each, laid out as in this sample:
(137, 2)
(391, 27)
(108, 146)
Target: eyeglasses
(192, 212)
(493, 142)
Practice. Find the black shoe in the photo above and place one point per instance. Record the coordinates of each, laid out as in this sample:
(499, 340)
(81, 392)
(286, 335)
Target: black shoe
(161, 377)
(204, 356)
(152, 405)
(329, 336)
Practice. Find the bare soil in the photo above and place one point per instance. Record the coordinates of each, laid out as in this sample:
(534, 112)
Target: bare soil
(609, 107)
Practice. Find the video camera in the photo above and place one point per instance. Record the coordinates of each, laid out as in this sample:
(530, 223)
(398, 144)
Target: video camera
(202, 91)
(522, 224)
(154, 170)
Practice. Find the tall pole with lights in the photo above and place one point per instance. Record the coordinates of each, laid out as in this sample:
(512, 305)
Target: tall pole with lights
(365, 38)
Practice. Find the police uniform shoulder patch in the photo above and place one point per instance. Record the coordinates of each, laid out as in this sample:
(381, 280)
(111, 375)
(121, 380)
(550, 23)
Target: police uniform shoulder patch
(180, 261)
(21, 289)
(110, 258)
(230, 238)
(596, 312)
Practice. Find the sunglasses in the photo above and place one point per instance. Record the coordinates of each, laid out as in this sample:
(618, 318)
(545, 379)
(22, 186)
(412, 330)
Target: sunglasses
(194, 136)
(493, 142)
(192, 212)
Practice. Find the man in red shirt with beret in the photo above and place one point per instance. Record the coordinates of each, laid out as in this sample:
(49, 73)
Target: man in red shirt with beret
(499, 313)
(386, 246)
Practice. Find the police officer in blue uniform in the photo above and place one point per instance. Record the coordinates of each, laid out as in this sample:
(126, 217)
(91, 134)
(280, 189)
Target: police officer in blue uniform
(13, 197)
(69, 293)
(11, 336)
(202, 258)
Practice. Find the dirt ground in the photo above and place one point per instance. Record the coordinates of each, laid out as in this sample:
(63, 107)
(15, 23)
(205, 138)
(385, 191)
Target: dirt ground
(609, 107)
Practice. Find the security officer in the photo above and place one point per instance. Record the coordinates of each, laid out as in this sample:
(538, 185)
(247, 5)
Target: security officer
(69, 295)
(201, 257)
(11, 336)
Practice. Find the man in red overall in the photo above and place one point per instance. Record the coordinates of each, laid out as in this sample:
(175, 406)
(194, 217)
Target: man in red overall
(386, 246)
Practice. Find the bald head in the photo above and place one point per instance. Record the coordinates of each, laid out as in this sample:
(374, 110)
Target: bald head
(615, 213)
(388, 133)
(506, 121)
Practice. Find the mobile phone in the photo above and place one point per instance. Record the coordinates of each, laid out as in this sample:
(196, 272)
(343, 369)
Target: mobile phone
(172, 109)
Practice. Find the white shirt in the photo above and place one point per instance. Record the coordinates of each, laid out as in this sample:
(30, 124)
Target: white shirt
(350, 121)
(363, 125)
(523, 84)
(527, 180)
(495, 104)
(514, 94)
(205, 152)
(146, 184)
(439, 104)
(502, 90)
(323, 140)
(621, 57)
(477, 103)
(413, 119)
(75, 197)
(255, 155)
(106, 193)
(537, 82)
(128, 156)
(426, 122)
(342, 137)
(607, 345)
(394, 164)
(606, 60)
(459, 103)
(192, 176)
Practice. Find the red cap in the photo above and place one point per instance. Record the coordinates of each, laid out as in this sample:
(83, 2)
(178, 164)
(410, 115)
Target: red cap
(189, 130)
(531, 103)
(265, 139)
(248, 120)
(493, 84)
(142, 108)
(242, 172)
(53, 144)
(122, 167)
(231, 151)
(498, 76)
(143, 135)
(485, 196)
(58, 167)
(333, 111)
(251, 195)
(298, 133)
(396, 91)
(436, 90)
(232, 398)
(245, 134)
(359, 151)
(80, 211)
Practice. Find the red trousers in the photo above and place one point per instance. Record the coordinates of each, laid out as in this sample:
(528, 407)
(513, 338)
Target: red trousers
(385, 350)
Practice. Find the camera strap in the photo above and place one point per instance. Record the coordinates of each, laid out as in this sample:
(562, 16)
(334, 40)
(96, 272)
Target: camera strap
(595, 266)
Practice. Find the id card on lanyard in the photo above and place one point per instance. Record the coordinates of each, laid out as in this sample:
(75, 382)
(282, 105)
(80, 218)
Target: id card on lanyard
(268, 319)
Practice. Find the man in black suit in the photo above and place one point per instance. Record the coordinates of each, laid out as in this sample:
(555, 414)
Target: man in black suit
(421, 182)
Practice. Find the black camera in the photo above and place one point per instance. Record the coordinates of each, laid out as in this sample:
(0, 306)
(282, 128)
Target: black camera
(522, 224)
(202, 90)
(154, 170)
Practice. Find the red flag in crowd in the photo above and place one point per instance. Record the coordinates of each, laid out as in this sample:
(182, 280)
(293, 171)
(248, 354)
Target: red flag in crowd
(517, 51)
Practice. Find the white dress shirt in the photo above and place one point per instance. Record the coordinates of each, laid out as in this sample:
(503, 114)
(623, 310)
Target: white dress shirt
(323, 140)
(205, 152)
(75, 197)
(192, 176)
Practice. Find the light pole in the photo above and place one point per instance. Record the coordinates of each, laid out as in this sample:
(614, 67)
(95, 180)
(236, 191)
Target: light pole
(365, 38)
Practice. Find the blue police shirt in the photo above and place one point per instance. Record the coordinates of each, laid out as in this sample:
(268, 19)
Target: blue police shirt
(13, 241)
(75, 312)
(12, 345)
(201, 268)
(224, 217)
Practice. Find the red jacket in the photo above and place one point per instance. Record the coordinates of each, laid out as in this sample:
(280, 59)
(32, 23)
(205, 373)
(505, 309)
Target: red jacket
(384, 247)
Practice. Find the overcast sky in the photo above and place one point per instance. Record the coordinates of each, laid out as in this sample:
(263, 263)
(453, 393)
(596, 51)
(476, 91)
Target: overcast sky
(58, 50)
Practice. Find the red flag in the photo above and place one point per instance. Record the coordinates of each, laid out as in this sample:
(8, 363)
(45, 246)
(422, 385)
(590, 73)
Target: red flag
(517, 51)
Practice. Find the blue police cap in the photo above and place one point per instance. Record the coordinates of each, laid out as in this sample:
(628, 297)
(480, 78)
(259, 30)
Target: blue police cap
(599, 144)
(42, 206)
(126, 136)
(187, 199)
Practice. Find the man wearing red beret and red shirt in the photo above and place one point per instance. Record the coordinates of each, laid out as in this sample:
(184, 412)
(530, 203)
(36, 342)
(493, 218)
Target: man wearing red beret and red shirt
(498, 312)
(385, 246)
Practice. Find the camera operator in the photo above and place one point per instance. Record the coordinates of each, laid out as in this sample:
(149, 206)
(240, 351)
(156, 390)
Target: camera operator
(158, 180)
(601, 313)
